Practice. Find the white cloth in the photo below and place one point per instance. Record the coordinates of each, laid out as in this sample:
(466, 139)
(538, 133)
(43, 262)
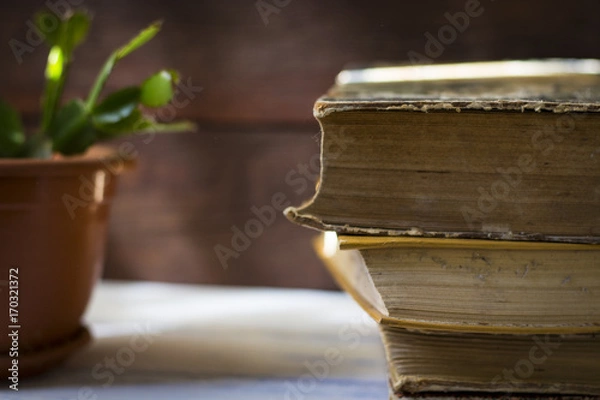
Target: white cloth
(168, 341)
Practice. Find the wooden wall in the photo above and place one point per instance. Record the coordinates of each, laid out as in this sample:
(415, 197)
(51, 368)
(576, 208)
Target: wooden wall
(254, 110)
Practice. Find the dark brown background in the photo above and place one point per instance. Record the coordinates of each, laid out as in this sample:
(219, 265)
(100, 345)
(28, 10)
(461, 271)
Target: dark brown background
(255, 110)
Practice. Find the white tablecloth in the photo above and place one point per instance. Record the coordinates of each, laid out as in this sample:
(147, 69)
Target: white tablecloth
(164, 341)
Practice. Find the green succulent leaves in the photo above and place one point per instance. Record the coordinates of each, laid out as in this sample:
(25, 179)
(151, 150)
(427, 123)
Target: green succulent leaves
(72, 128)
(68, 33)
(12, 137)
(119, 113)
(76, 126)
(117, 106)
(139, 40)
(72, 131)
(76, 29)
(157, 91)
(135, 43)
(56, 64)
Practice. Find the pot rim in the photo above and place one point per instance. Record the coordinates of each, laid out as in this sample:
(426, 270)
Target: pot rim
(95, 158)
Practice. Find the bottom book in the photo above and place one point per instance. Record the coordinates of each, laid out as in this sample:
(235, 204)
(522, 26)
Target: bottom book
(443, 363)
(459, 362)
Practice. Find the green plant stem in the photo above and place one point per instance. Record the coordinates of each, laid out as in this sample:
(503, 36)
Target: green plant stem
(100, 81)
(181, 126)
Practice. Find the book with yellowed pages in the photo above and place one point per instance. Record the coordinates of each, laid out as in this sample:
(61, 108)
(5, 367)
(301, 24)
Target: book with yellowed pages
(474, 285)
(461, 210)
(445, 329)
(505, 150)
(470, 362)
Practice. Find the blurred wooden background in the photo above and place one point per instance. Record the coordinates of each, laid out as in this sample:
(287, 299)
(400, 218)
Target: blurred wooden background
(258, 82)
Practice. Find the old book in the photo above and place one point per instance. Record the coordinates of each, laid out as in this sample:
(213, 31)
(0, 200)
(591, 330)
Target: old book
(445, 329)
(507, 150)
(487, 396)
(469, 362)
(469, 285)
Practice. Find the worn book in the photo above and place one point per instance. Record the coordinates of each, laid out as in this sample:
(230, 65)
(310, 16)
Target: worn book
(468, 285)
(422, 362)
(491, 150)
(473, 318)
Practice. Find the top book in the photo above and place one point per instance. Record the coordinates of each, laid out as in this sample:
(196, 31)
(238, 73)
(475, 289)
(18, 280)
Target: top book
(498, 150)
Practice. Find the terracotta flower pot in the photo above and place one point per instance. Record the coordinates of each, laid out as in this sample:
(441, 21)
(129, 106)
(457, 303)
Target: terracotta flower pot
(53, 221)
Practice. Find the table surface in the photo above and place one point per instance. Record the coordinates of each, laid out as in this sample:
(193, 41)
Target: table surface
(166, 341)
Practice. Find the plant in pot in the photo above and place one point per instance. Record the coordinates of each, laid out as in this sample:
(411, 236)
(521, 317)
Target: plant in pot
(56, 187)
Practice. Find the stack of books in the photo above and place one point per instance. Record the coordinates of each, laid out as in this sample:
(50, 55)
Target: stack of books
(461, 210)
